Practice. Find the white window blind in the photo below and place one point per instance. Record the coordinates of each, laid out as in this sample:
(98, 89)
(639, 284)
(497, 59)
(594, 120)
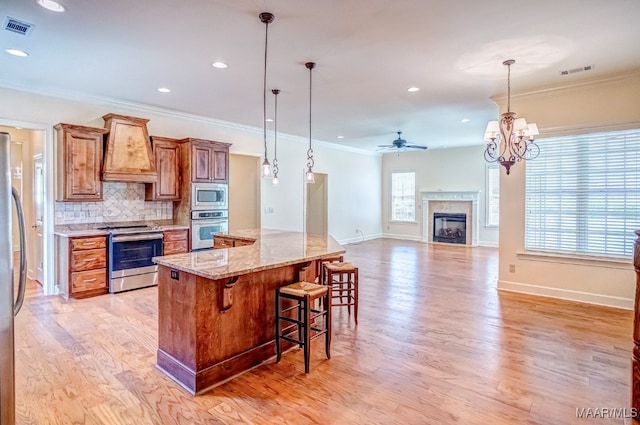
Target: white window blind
(583, 194)
(493, 196)
(403, 196)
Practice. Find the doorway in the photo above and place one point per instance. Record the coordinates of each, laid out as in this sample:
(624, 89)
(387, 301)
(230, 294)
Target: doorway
(37, 181)
(316, 206)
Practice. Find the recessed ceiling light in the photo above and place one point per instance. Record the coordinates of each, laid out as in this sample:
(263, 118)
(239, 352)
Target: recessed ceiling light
(51, 5)
(269, 120)
(17, 52)
(219, 65)
(164, 90)
(413, 89)
(463, 120)
(340, 137)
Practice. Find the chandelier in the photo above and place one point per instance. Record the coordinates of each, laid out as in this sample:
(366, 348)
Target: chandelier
(266, 18)
(510, 140)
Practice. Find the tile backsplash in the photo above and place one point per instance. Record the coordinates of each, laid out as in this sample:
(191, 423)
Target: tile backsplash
(121, 202)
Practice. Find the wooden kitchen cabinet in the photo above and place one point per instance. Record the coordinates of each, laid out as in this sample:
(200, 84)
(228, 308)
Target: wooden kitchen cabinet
(81, 270)
(167, 156)
(79, 162)
(226, 241)
(208, 160)
(176, 241)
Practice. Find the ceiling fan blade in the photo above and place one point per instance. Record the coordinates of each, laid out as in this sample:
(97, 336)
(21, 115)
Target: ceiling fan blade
(386, 146)
(415, 147)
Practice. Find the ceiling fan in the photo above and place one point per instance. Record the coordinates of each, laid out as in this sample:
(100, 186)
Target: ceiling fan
(400, 145)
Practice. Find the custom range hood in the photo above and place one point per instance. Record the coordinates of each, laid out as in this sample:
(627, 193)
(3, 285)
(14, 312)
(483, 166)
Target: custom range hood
(127, 154)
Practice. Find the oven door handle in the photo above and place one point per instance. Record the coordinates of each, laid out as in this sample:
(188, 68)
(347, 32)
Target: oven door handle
(132, 238)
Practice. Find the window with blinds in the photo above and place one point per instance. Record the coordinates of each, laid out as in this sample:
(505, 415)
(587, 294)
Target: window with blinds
(403, 196)
(583, 194)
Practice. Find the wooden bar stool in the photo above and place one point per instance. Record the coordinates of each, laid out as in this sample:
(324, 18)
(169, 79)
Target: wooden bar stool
(320, 264)
(304, 294)
(342, 278)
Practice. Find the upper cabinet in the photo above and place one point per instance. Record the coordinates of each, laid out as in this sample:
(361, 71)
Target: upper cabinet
(79, 160)
(167, 158)
(128, 156)
(209, 160)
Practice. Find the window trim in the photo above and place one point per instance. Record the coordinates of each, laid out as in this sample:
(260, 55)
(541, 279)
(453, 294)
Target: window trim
(487, 196)
(415, 196)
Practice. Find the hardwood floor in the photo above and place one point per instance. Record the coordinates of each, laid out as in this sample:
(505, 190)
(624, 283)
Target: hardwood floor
(436, 343)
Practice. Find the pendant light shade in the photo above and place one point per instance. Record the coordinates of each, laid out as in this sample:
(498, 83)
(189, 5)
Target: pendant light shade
(275, 179)
(266, 18)
(309, 177)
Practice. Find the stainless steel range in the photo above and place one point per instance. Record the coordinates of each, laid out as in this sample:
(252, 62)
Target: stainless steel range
(131, 248)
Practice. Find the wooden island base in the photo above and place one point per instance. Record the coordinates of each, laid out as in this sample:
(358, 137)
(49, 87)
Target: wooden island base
(211, 330)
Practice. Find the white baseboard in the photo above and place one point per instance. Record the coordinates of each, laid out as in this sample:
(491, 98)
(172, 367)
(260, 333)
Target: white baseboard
(360, 238)
(16, 248)
(489, 244)
(565, 294)
(413, 238)
(30, 274)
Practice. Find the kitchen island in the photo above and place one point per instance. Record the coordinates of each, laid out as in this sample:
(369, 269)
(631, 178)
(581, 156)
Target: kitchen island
(216, 308)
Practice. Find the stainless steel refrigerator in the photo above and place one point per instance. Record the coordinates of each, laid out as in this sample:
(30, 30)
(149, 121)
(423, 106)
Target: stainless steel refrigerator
(10, 302)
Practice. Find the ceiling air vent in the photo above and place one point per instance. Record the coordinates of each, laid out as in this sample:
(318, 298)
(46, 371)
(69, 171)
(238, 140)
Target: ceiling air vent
(574, 70)
(19, 27)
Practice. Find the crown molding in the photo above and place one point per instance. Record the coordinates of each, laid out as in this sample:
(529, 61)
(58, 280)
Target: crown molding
(572, 86)
(117, 103)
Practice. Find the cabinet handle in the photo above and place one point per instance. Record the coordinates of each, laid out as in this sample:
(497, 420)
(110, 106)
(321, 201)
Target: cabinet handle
(90, 280)
(90, 259)
(90, 243)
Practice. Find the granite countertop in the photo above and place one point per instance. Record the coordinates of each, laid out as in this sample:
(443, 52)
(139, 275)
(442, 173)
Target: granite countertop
(272, 249)
(91, 229)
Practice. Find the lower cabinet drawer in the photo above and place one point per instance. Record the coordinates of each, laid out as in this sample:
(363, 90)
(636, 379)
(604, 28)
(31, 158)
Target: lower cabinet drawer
(88, 260)
(176, 247)
(92, 279)
(176, 235)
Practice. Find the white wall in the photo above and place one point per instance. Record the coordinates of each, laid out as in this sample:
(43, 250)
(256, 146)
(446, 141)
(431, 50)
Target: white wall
(596, 105)
(354, 187)
(354, 177)
(453, 169)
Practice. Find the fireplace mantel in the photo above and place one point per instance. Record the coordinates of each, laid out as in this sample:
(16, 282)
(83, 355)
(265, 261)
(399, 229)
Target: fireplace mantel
(428, 198)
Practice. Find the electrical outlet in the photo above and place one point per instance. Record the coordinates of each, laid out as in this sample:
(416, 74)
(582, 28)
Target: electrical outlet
(512, 268)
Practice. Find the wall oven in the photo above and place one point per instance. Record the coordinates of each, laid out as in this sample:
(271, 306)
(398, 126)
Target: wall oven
(130, 265)
(204, 225)
(209, 196)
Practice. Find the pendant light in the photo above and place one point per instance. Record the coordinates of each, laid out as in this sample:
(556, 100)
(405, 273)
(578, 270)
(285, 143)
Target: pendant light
(309, 177)
(266, 18)
(275, 139)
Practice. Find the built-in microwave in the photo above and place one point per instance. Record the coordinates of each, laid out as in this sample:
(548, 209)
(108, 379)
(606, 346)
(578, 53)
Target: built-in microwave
(209, 196)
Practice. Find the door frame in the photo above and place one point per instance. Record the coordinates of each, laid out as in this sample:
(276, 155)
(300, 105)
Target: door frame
(48, 225)
(39, 157)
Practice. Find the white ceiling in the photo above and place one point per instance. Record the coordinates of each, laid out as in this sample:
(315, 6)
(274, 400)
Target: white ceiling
(367, 53)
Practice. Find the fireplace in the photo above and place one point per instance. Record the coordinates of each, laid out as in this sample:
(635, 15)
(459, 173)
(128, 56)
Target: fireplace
(450, 228)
